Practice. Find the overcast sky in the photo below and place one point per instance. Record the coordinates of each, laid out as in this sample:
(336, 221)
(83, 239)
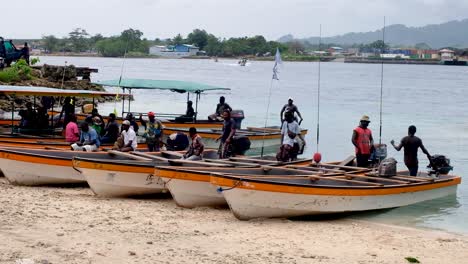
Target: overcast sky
(224, 18)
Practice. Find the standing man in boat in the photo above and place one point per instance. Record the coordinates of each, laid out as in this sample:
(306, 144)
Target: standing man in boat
(68, 109)
(153, 132)
(195, 151)
(89, 139)
(290, 107)
(289, 146)
(220, 108)
(411, 143)
(229, 130)
(363, 141)
(129, 137)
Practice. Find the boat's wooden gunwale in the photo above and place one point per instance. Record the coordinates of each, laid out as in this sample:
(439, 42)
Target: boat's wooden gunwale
(231, 179)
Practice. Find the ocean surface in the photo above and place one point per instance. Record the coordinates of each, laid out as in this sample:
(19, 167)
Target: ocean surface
(433, 98)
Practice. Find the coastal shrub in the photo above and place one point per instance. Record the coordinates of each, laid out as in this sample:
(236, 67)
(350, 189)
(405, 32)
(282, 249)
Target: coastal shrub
(34, 61)
(18, 71)
(9, 75)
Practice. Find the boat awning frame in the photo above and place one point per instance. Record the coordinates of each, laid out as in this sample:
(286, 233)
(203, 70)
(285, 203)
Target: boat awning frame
(171, 85)
(45, 91)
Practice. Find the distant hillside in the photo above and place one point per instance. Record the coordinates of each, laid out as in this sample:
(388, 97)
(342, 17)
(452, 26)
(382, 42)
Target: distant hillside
(453, 33)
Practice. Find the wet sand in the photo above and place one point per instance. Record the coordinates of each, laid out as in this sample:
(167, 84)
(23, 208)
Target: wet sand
(71, 225)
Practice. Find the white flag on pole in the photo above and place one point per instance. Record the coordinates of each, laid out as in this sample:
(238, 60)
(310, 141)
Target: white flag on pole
(278, 62)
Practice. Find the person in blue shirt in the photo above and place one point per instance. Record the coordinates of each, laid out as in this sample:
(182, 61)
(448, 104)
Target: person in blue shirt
(89, 139)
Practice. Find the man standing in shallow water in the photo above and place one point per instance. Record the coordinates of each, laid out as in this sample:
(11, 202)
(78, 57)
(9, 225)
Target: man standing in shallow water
(411, 143)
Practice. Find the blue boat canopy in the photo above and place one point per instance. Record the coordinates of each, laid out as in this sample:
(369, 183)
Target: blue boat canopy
(172, 85)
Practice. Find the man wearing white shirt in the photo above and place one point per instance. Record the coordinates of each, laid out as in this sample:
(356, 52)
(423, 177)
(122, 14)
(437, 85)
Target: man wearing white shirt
(129, 137)
(289, 145)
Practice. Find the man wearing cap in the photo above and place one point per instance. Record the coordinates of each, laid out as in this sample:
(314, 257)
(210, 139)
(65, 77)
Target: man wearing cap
(363, 142)
(153, 132)
(89, 140)
(129, 137)
(290, 107)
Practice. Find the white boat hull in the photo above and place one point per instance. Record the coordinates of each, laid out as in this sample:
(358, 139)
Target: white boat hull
(191, 194)
(28, 173)
(248, 204)
(108, 183)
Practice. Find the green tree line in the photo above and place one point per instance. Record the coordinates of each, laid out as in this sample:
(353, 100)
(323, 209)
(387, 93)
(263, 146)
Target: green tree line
(131, 41)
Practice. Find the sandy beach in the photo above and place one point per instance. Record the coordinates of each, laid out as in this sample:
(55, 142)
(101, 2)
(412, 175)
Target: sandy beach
(71, 225)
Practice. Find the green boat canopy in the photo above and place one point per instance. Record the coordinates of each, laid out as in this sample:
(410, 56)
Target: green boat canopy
(175, 86)
(46, 91)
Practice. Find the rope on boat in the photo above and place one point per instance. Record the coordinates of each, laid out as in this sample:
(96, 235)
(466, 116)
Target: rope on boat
(266, 117)
(221, 189)
(120, 80)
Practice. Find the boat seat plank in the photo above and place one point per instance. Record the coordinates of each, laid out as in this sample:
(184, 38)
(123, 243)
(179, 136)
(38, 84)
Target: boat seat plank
(149, 156)
(127, 155)
(352, 176)
(200, 163)
(253, 165)
(269, 162)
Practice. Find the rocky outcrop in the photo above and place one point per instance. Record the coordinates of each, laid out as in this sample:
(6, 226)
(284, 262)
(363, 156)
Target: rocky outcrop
(51, 77)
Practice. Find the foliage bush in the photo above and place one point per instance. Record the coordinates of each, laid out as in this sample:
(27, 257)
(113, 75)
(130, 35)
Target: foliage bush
(18, 71)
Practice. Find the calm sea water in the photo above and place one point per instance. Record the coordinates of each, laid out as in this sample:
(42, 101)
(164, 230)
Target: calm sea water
(431, 97)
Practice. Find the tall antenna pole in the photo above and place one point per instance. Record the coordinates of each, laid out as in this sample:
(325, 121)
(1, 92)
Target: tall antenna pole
(120, 81)
(318, 88)
(381, 79)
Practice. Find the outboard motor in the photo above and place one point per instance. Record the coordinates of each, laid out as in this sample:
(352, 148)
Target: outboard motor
(439, 164)
(240, 145)
(238, 116)
(177, 141)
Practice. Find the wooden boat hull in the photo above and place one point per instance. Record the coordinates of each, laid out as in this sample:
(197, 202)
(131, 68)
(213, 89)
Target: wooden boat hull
(251, 199)
(114, 180)
(46, 144)
(26, 170)
(190, 189)
(43, 167)
(257, 139)
(190, 186)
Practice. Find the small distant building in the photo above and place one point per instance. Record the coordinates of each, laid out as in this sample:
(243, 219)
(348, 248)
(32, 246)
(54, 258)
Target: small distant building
(446, 54)
(394, 56)
(335, 50)
(176, 51)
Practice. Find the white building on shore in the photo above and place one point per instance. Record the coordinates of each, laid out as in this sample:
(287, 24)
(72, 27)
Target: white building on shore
(176, 51)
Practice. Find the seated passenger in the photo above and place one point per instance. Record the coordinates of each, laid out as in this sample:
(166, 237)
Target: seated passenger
(129, 138)
(220, 108)
(195, 151)
(89, 140)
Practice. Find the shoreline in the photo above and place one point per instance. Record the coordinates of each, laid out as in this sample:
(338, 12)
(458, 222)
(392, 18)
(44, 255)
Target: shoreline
(71, 225)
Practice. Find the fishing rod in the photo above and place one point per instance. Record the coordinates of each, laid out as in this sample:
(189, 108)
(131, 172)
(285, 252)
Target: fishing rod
(120, 81)
(317, 156)
(382, 50)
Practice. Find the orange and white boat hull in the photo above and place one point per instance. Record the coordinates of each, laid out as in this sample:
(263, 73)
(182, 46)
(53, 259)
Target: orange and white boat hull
(247, 203)
(30, 173)
(191, 190)
(106, 181)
